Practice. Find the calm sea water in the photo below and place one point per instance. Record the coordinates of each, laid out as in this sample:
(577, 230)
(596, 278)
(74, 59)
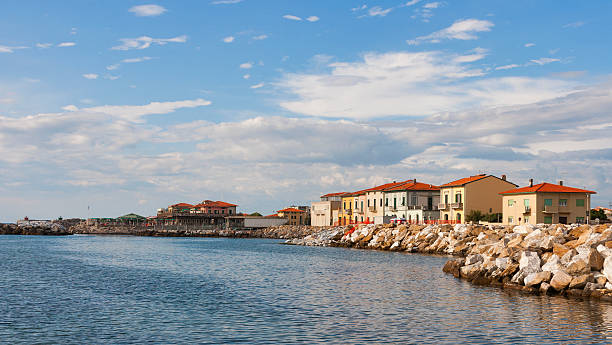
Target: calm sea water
(97, 289)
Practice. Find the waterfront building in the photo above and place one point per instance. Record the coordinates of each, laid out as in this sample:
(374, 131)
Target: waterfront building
(206, 213)
(346, 214)
(325, 212)
(474, 193)
(215, 207)
(294, 216)
(413, 202)
(375, 201)
(546, 203)
(245, 222)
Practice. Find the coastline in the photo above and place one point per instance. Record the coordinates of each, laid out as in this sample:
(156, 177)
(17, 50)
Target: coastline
(568, 260)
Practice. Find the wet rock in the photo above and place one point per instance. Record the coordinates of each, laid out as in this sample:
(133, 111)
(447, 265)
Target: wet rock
(537, 278)
(580, 281)
(544, 287)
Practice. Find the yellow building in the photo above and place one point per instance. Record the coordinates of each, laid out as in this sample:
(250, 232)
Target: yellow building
(546, 203)
(293, 215)
(479, 193)
(346, 209)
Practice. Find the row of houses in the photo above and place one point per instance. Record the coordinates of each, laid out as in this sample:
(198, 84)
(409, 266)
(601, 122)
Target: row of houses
(480, 196)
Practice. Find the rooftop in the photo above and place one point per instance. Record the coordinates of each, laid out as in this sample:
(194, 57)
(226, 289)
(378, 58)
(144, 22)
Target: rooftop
(290, 209)
(210, 203)
(414, 186)
(465, 180)
(546, 188)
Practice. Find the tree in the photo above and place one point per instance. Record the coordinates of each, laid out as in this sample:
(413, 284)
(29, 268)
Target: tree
(598, 214)
(255, 214)
(474, 216)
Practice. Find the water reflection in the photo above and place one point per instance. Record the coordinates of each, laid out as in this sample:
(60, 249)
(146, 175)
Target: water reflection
(170, 290)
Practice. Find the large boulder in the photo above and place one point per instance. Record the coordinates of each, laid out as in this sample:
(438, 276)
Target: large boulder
(523, 229)
(592, 256)
(530, 262)
(502, 263)
(560, 280)
(578, 266)
(607, 268)
(560, 249)
(567, 257)
(472, 259)
(553, 264)
(580, 281)
(537, 278)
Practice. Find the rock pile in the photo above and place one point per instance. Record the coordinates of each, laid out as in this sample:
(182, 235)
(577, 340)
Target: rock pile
(563, 259)
(40, 228)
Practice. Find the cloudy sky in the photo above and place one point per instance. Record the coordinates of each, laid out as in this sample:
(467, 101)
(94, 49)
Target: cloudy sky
(128, 106)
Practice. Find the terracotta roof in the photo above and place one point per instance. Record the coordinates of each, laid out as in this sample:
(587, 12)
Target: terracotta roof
(465, 180)
(210, 203)
(380, 187)
(333, 194)
(546, 188)
(182, 204)
(414, 186)
(291, 209)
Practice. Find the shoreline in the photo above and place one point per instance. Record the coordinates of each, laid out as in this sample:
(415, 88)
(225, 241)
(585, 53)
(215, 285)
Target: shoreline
(566, 260)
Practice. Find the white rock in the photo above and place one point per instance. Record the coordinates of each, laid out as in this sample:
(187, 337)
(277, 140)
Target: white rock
(604, 251)
(530, 262)
(481, 236)
(608, 286)
(536, 278)
(523, 229)
(552, 265)
(607, 268)
(502, 263)
(394, 245)
(560, 280)
(533, 235)
(472, 259)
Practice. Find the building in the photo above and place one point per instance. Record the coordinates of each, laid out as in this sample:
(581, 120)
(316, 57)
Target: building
(375, 196)
(346, 214)
(207, 213)
(325, 212)
(413, 202)
(546, 203)
(474, 193)
(294, 216)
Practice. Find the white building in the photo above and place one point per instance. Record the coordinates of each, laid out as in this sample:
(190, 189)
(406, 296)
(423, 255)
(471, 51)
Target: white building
(413, 202)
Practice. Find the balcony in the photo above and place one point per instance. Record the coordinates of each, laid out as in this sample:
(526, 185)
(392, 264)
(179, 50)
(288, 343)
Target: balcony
(358, 211)
(348, 211)
(392, 209)
(442, 206)
(564, 209)
(372, 208)
(551, 209)
(527, 209)
(457, 205)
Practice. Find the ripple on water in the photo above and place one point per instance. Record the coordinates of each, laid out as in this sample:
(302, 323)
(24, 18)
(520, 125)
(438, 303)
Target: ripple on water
(96, 289)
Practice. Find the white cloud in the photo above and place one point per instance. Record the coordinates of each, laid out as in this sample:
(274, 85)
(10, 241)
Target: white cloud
(90, 76)
(246, 76)
(359, 8)
(313, 19)
(527, 45)
(66, 44)
(378, 11)
(544, 61)
(246, 65)
(73, 31)
(147, 10)
(409, 84)
(412, 2)
(507, 67)
(459, 30)
(144, 42)
(70, 107)
(229, 39)
(111, 77)
(135, 60)
(291, 17)
(135, 112)
(225, 2)
(112, 67)
(432, 5)
(260, 37)
(573, 25)
(7, 49)
(44, 45)
(257, 86)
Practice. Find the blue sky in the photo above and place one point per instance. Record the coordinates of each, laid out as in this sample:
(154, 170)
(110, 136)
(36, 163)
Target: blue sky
(130, 105)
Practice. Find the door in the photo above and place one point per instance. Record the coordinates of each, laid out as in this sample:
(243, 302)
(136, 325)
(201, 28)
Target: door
(562, 220)
(430, 203)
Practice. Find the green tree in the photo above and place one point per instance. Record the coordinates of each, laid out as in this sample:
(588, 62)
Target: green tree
(474, 216)
(256, 214)
(598, 214)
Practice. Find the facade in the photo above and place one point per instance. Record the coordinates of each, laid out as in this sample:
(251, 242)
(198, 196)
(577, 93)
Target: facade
(294, 216)
(546, 203)
(207, 214)
(215, 207)
(413, 202)
(479, 193)
(322, 212)
(375, 211)
(346, 216)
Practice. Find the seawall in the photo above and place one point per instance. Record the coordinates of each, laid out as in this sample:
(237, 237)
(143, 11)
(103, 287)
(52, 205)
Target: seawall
(571, 260)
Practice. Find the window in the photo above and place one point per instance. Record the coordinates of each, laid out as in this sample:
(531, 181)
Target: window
(414, 199)
(368, 202)
(548, 202)
(446, 198)
(580, 202)
(230, 211)
(355, 204)
(216, 211)
(562, 202)
(223, 211)
(345, 205)
(386, 201)
(394, 202)
(526, 219)
(403, 201)
(380, 202)
(548, 220)
(510, 202)
(458, 217)
(510, 220)
(458, 197)
(362, 205)
(579, 220)
(526, 203)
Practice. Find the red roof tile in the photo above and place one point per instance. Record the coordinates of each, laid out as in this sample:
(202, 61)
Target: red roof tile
(290, 209)
(182, 205)
(333, 194)
(380, 187)
(209, 203)
(414, 186)
(546, 188)
(465, 181)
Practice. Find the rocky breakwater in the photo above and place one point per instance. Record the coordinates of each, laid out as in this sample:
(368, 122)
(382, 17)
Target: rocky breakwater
(551, 259)
(51, 228)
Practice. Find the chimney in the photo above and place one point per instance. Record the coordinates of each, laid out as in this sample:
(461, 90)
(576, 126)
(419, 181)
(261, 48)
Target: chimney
(504, 177)
(530, 182)
(560, 183)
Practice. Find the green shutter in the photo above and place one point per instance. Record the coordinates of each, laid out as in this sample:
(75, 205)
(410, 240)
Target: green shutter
(548, 202)
(548, 220)
(580, 202)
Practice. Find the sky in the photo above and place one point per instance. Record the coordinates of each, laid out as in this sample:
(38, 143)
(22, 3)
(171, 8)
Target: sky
(111, 107)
